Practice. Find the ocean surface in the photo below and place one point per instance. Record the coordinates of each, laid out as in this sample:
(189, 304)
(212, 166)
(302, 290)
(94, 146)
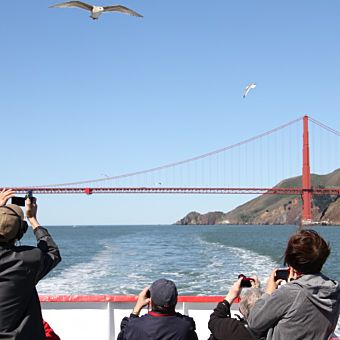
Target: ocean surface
(202, 260)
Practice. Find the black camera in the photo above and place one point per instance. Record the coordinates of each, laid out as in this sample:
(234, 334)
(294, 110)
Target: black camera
(20, 201)
(246, 281)
(282, 274)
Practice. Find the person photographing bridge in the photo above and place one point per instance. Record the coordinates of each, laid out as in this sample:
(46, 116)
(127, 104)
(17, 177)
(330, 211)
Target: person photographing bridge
(308, 305)
(222, 324)
(21, 268)
(162, 322)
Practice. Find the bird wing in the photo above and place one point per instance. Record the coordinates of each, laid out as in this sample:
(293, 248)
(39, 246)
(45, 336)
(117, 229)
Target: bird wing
(248, 88)
(123, 9)
(79, 4)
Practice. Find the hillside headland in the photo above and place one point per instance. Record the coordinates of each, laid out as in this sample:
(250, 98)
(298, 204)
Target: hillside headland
(278, 209)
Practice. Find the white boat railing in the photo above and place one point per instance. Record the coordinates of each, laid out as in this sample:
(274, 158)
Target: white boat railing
(98, 317)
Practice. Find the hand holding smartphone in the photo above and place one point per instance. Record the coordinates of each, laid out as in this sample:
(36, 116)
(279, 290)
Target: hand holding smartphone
(282, 274)
(246, 281)
(20, 201)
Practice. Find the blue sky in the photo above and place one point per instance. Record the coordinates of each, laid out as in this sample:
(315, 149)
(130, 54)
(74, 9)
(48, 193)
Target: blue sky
(83, 98)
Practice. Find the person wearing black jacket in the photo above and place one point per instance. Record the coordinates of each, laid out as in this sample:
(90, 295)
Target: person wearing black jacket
(162, 322)
(222, 325)
(21, 268)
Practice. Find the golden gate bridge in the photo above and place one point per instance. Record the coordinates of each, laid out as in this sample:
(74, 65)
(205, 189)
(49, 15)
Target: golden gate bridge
(306, 190)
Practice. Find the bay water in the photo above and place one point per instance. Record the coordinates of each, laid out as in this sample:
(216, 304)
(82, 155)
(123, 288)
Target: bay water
(201, 260)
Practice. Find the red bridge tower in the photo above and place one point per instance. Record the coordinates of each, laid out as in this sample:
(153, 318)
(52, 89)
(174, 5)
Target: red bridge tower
(306, 182)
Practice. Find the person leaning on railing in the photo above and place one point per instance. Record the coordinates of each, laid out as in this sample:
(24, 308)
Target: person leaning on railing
(225, 327)
(21, 267)
(307, 307)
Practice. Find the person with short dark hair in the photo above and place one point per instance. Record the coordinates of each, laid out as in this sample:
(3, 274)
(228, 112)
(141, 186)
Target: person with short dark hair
(162, 322)
(21, 268)
(225, 327)
(308, 305)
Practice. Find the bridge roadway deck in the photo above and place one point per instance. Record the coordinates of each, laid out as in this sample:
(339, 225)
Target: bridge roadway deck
(175, 190)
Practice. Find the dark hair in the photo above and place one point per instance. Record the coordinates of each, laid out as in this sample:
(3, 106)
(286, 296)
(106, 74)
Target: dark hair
(162, 309)
(306, 252)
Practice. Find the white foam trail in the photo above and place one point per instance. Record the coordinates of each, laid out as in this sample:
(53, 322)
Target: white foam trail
(81, 278)
(225, 263)
(128, 266)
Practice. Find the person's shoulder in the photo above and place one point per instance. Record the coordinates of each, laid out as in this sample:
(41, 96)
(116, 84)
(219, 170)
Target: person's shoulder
(286, 291)
(29, 253)
(141, 319)
(186, 318)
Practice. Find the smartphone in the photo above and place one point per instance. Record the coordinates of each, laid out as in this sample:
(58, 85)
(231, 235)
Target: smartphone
(282, 274)
(20, 201)
(246, 281)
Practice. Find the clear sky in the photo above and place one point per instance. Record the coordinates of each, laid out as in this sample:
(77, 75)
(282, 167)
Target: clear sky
(82, 98)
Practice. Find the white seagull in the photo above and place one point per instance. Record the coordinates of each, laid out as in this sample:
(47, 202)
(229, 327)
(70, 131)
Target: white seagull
(248, 88)
(96, 11)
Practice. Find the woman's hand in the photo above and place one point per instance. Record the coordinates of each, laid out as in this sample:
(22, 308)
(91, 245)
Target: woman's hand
(272, 284)
(5, 195)
(31, 209)
(234, 291)
(256, 283)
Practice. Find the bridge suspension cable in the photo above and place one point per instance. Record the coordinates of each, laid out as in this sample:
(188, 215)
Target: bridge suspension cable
(171, 165)
(324, 126)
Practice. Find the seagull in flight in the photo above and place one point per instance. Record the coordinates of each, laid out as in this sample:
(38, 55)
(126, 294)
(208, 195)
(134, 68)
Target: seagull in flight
(248, 88)
(96, 11)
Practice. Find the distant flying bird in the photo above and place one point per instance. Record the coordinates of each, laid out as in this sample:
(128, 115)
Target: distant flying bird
(248, 88)
(96, 11)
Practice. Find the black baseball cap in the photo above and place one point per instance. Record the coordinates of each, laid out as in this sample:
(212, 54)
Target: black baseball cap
(163, 293)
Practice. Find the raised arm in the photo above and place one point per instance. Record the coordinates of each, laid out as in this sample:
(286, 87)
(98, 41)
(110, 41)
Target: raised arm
(50, 255)
(270, 308)
(221, 325)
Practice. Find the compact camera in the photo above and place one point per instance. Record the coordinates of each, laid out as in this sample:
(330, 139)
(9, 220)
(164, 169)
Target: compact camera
(20, 201)
(246, 281)
(282, 274)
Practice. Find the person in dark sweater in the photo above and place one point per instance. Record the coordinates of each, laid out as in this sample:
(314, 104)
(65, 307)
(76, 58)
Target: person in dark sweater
(21, 268)
(162, 322)
(222, 325)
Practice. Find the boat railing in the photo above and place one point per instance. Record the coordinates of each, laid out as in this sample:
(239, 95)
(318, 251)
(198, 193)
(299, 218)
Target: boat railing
(98, 317)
